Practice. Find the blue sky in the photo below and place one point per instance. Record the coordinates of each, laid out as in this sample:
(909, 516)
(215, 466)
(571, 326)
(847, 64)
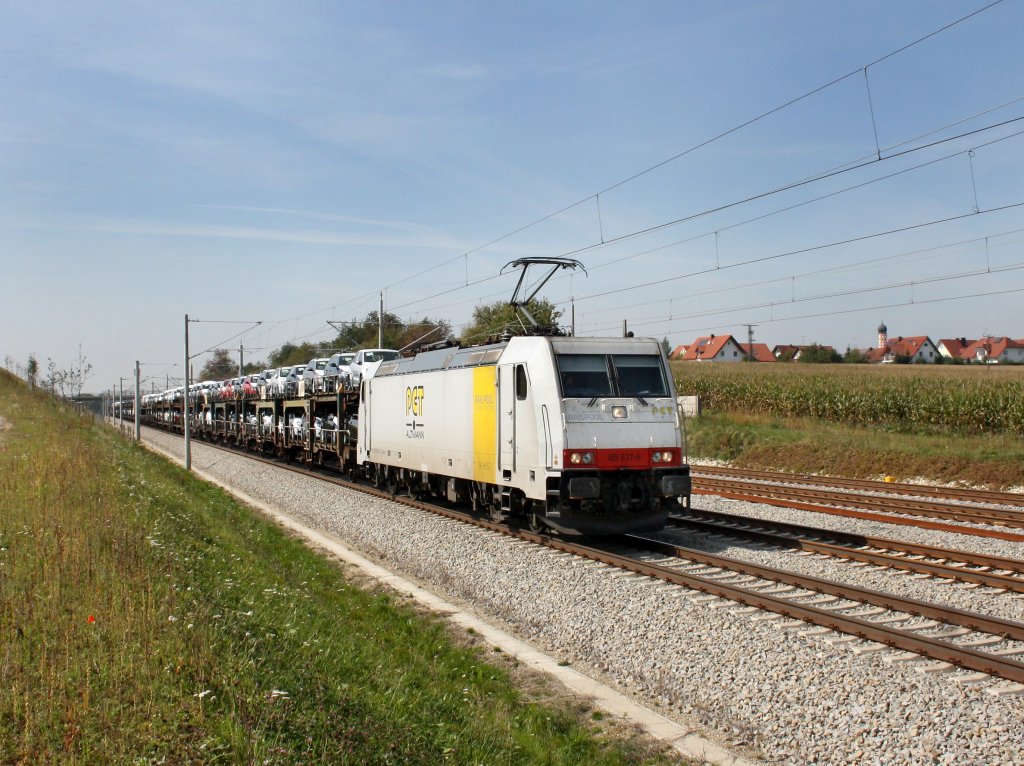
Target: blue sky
(286, 162)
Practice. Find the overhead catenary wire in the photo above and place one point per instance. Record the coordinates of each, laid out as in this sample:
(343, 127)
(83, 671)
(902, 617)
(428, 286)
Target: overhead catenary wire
(643, 321)
(928, 252)
(862, 309)
(763, 195)
(804, 250)
(220, 344)
(719, 136)
(466, 283)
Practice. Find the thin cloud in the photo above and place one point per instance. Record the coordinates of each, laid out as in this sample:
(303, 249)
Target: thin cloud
(319, 216)
(294, 236)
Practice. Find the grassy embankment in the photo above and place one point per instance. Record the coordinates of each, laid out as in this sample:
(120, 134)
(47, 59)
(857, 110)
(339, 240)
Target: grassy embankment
(944, 423)
(147, 617)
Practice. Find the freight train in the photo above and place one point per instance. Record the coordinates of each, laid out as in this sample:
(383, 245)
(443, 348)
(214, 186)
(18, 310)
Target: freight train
(577, 435)
(556, 432)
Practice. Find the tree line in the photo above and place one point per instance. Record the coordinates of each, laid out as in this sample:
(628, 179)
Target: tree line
(489, 320)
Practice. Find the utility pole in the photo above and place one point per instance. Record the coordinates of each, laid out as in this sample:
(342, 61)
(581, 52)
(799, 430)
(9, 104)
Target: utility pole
(185, 408)
(750, 341)
(138, 404)
(241, 356)
(120, 404)
(380, 322)
(572, 316)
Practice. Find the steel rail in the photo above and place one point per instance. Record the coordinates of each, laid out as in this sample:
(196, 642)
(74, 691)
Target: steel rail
(980, 496)
(866, 515)
(968, 557)
(928, 646)
(926, 508)
(996, 626)
(882, 559)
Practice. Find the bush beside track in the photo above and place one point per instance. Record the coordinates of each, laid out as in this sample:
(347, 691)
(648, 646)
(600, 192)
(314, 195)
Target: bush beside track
(146, 616)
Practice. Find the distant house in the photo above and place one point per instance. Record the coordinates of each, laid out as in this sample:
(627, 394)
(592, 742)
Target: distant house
(785, 353)
(712, 348)
(953, 348)
(678, 352)
(919, 349)
(995, 351)
(758, 352)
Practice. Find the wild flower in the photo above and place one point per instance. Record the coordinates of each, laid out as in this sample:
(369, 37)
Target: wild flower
(91, 619)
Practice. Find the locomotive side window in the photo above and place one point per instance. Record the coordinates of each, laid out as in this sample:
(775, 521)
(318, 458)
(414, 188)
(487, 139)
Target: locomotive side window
(584, 375)
(520, 382)
(640, 375)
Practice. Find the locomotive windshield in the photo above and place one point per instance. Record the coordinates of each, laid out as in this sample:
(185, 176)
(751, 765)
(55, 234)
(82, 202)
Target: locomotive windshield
(593, 375)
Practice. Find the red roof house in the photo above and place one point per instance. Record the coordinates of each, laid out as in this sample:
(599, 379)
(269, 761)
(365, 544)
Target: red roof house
(758, 352)
(994, 351)
(712, 348)
(919, 349)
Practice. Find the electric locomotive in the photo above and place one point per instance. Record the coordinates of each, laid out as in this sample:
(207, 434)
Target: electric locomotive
(581, 435)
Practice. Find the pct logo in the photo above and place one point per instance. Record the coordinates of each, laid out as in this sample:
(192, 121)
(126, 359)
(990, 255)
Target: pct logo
(414, 396)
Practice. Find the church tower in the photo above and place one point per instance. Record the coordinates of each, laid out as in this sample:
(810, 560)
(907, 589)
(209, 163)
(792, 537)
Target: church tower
(883, 336)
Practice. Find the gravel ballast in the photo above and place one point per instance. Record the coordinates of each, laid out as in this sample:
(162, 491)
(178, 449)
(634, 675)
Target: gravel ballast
(755, 685)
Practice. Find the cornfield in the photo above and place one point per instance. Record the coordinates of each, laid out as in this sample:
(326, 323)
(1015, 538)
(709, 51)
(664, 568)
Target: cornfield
(965, 400)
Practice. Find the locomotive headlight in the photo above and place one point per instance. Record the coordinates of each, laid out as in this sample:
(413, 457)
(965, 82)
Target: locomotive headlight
(588, 457)
(575, 458)
(656, 457)
(619, 412)
(667, 457)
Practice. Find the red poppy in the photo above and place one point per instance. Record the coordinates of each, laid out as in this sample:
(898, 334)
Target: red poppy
(91, 619)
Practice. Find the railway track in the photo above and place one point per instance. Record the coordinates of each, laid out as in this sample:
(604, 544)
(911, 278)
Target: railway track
(980, 496)
(852, 504)
(987, 645)
(940, 563)
(990, 645)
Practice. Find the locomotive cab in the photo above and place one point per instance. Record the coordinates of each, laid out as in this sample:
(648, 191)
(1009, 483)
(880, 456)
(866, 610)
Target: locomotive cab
(623, 456)
(581, 435)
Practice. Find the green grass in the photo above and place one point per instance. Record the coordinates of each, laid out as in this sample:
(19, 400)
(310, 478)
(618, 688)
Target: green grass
(944, 423)
(817, 446)
(147, 617)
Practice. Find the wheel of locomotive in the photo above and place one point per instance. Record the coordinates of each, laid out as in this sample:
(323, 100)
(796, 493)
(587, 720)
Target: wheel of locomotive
(377, 476)
(391, 482)
(533, 522)
(495, 514)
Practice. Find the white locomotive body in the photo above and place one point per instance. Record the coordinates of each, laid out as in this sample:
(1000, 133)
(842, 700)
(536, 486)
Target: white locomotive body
(579, 434)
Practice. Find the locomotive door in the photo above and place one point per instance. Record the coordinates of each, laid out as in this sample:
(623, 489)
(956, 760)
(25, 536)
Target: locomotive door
(506, 421)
